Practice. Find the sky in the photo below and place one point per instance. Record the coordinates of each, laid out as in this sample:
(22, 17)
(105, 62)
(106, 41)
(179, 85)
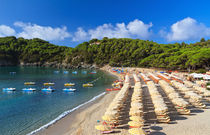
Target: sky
(71, 22)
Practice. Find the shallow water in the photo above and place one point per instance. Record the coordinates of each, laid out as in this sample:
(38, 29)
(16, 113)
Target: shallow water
(21, 112)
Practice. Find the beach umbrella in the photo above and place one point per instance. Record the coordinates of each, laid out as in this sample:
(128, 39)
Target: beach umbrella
(103, 128)
(135, 124)
(136, 113)
(133, 108)
(136, 108)
(112, 112)
(109, 117)
(136, 100)
(137, 104)
(136, 118)
(161, 110)
(206, 93)
(137, 131)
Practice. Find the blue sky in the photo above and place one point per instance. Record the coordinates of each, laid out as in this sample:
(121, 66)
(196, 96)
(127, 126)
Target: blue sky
(70, 22)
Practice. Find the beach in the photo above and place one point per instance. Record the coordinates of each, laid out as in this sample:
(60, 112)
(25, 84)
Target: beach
(83, 121)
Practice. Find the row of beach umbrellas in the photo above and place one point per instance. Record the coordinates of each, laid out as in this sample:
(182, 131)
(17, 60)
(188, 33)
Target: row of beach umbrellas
(136, 122)
(193, 97)
(161, 110)
(112, 114)
(180, 103)
(197, 88)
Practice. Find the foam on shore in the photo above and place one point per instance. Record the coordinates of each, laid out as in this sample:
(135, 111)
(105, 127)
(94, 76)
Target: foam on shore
(64, 114)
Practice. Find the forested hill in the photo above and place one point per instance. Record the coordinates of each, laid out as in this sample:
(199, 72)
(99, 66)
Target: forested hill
(115, 52)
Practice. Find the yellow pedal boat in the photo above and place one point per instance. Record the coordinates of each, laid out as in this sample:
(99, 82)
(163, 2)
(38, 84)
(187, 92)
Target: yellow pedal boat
(69, 84)
(29, 83)
(49, 84)
(87, 85)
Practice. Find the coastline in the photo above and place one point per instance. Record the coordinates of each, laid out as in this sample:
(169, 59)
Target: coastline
(71, 123)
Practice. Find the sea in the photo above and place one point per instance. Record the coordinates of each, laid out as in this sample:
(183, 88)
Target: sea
(29, 112)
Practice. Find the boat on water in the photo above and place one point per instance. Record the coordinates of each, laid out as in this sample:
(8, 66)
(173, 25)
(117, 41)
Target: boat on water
(29, 89)
(49, 84)
(9, 89)
(29, 83)
(84, 72)
(12, 73)
(49, 89)
(74, 72)
(65, 72)
(56, 72)
(69, 84)
(93, 72)
(88, 85)
(69, 90)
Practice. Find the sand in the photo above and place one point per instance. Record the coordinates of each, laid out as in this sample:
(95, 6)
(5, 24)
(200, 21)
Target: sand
(83, 121)
(196, 124)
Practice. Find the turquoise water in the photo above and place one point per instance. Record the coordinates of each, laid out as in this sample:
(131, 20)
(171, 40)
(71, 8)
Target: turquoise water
(21, 113)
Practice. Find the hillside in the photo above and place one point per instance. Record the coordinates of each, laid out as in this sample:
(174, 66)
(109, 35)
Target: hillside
(115, 52)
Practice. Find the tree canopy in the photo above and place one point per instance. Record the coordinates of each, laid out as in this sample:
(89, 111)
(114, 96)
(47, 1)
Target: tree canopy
(115, 52)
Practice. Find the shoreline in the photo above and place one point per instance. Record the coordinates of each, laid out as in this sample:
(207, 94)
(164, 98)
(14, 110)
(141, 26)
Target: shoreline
(68, 112)
(69, 123)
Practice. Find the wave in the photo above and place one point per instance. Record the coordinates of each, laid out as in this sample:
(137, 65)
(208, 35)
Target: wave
(64, 114)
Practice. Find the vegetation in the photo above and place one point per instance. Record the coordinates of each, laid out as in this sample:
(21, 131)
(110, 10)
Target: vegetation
(115, 52)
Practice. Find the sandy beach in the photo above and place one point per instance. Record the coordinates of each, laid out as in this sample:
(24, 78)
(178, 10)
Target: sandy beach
(83, 121)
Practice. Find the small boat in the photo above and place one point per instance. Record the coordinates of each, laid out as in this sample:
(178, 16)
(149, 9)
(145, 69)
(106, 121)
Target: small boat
(48, 89)
(29, 89)
(74, 72)
(69, 84)
(93, 72)
(87, 85)
(69, 90)
(9, 89)
(12, 73)
(65, 72)
(84, 72)
(29, 83)
(49, 84)
(56, 72)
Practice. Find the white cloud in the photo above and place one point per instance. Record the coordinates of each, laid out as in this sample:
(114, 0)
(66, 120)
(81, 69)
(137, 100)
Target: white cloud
(134, 29)
(140, 29)
(6, 31)
(30, 31)
(80, 35)
(186, 29)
